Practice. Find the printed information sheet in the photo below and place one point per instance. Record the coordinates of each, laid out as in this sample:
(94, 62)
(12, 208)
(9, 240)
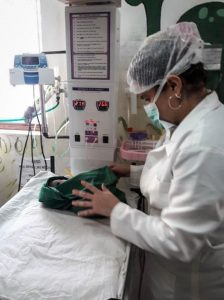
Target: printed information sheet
(90, 34)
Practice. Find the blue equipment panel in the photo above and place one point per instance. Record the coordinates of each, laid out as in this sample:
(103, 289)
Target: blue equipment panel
(30, 65)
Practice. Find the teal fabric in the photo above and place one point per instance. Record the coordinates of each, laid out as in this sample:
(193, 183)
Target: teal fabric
(60, 197)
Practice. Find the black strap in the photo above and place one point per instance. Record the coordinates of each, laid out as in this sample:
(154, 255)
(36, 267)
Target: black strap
(141, 199)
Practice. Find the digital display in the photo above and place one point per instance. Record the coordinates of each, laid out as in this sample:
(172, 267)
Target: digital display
(30, 60)
(102, 105)
(79, 104)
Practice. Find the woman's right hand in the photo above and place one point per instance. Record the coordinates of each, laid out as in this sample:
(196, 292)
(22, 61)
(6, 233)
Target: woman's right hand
(120, 170)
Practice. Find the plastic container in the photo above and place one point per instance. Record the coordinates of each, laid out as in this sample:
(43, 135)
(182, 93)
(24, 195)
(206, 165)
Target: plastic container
(138, 135)
(136, 150)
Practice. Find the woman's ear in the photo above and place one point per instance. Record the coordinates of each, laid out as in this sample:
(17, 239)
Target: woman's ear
(175, 84)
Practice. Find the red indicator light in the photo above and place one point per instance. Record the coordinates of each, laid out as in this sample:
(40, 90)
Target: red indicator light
(79, 104)
(102, 105)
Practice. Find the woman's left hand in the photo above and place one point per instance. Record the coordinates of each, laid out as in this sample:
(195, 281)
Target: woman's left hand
(100, 202)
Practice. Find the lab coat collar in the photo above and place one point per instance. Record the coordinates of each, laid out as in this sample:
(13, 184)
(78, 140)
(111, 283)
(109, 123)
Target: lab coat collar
(209, 103)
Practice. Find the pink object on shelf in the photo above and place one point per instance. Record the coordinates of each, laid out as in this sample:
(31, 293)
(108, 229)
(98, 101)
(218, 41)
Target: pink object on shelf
(136, 150)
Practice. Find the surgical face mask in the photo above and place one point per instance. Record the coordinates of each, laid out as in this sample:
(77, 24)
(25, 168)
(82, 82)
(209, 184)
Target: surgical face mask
(153, 115)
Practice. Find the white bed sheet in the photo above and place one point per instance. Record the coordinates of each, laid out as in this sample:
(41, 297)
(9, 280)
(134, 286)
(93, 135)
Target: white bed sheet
(50, 254)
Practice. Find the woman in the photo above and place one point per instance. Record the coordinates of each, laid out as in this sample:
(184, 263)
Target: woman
(182, 179)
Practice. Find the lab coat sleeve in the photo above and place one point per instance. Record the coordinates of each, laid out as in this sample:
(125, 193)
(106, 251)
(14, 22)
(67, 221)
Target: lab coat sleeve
(196, 208)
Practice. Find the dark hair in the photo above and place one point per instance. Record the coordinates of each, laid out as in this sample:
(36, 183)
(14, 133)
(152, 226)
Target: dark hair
(194, 78)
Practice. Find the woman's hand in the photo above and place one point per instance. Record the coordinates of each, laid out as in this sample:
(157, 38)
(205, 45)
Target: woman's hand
(100, 202)
(120, 170)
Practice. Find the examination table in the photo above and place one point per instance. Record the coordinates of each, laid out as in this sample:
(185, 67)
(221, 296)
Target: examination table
(51, 254)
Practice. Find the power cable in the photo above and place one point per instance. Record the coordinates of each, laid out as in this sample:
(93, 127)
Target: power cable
(31, 139)
(41, 138)
(21, 164)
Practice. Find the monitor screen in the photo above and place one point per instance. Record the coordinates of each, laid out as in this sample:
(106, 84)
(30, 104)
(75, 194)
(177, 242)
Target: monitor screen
(30, 60)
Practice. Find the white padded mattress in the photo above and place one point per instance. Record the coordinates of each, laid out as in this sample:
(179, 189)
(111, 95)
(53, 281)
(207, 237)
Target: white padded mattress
(50, 254)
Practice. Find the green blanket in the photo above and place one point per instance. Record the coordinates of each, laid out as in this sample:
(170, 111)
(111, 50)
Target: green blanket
(60, 196)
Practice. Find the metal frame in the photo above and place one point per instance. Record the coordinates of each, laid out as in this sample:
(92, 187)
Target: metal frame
(83, 2)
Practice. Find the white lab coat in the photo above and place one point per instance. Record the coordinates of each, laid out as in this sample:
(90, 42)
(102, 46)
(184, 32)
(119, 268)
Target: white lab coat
(183, 181)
